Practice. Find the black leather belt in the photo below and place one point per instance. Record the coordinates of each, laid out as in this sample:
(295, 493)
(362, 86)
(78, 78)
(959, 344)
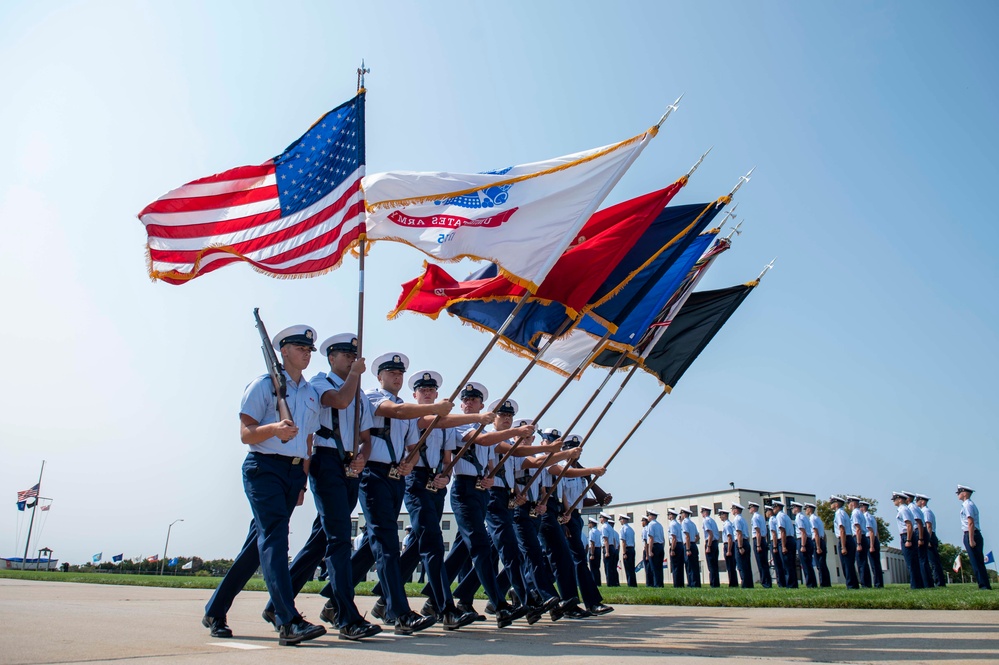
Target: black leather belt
(281, 458)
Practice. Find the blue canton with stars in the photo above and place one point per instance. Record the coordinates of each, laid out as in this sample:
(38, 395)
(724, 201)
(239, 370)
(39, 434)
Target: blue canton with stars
(317, 163)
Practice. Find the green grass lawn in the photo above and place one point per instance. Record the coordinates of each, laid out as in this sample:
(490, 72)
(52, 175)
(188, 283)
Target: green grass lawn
(953, 597)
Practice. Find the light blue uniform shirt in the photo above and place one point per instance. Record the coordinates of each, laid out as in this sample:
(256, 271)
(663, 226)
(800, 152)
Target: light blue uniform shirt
(645, 535)
(916, 512)
(627, 535)
(818, 525)
(969, 509)
(607, 531)
(656, 532)
(483, 454)
(784, 521)
(728, 530)
(524, 474)
(759, 524)
(675, 530)
(902, 515)
(872, 522)
(802, 523)
(569, 490)
(857, 519)
(842, 520)
(403, 432)
(772, 523)
(740, 525)
(595, 537)
(507, 474)
(928, 518)
(437, 442)
(323, 383)
(260, 404)
(709, 524)
(868, 523)
(691, 530)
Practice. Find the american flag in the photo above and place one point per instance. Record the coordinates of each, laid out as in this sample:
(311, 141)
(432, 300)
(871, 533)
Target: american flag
(24, 495)
(153, 559)
(292, 216)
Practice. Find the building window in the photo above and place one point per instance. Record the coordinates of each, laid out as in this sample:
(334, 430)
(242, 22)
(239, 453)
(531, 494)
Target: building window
(353, 528)
(399, 525)
(718, 506)
(693, 509)
(788, 500)
(447, 548)
(445, 525)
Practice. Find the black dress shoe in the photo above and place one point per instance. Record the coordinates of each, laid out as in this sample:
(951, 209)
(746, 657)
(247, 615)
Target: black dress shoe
(270, 617)
(412, 622)
(455, 619)
(467, 607)
(508, 614)
(600, 609)
(534, 615)
(359, 630)
(330, 614)
(217, 625)
(299, 631)
(428, 610)
(577, 613)
(490, 608)
(379, 610)
(547, 605)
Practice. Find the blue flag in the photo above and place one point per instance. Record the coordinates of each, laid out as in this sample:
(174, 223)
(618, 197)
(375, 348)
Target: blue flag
(20, 505)
(97, 557)
(172, 562)
(634, 319)
(629, 284)
(117, 558)
(989, 558)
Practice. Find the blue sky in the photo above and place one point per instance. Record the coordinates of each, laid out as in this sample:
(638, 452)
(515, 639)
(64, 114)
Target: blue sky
(866, 361)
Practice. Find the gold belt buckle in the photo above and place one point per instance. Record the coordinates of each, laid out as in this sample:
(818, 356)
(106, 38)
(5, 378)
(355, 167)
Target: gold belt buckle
(296, 460)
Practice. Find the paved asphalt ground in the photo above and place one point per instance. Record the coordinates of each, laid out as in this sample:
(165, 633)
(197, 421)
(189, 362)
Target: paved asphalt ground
(54, 622)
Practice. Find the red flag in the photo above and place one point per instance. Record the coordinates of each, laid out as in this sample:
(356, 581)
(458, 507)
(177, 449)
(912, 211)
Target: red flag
(591, 257)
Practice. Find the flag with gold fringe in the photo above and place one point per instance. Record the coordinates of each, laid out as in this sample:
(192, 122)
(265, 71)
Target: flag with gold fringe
(521, 217)
(292, 216)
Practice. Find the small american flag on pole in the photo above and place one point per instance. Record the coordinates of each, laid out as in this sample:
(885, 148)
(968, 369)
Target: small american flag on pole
(24, 495)
(293, 216)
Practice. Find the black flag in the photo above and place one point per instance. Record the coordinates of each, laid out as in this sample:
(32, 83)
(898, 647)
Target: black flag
(700, 318)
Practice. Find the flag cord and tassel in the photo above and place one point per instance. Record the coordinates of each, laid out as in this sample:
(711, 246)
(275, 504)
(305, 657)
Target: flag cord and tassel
(415, 452)
(31, 523)
(568, 511)
(566, 325)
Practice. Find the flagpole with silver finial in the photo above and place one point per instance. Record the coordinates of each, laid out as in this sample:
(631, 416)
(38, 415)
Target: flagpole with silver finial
(743, 179)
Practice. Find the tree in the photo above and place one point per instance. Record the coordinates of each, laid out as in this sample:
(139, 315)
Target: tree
(827, 514)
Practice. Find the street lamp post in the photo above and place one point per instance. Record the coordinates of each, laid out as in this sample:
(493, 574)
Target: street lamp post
(167, 544)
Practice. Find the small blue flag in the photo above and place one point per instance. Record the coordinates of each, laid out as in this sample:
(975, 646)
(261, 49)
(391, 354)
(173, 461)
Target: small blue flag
(989, 558)
(172, 562)
(97, 557)
(20, 505)
(117, 558)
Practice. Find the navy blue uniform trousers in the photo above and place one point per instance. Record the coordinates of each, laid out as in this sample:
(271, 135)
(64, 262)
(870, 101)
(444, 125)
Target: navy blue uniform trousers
(336, 496)
(272, 485)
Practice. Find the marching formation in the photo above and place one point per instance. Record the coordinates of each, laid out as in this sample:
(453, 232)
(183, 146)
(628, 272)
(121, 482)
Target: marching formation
(412, 453)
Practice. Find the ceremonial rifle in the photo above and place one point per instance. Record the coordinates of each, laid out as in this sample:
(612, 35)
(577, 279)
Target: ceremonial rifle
(274, 369)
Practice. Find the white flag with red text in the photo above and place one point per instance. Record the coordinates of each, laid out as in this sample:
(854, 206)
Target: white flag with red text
(522, 218)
